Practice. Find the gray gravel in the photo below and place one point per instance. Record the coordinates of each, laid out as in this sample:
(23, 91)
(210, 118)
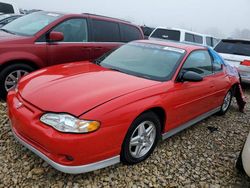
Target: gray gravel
(194, 158)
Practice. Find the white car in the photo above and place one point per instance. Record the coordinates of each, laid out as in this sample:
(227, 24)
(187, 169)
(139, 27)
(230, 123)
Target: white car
(236, 53)
(243, 162)
(182, 35)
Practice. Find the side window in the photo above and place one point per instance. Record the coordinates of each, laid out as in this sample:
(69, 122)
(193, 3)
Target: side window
(198, 39)
(74, 30)
(199, 62)
(209, 41)
(130, 33)
(217, 62)
(105, 31)
(189, 37)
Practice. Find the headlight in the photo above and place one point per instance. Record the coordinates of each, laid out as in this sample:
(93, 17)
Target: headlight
(69, 124)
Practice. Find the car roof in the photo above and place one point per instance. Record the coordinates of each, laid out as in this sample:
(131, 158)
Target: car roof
(184, 46)
(107, 18)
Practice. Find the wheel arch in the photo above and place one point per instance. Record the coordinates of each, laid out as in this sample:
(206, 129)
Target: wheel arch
(161, 114)
(19, 61)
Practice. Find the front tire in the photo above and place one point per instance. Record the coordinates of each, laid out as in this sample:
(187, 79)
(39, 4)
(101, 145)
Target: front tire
(226, 103)
(141, 139)
(10, 76)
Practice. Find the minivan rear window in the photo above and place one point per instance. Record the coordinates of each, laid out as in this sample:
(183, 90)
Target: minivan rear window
(236, 47)
(130, 33)
(167, 34)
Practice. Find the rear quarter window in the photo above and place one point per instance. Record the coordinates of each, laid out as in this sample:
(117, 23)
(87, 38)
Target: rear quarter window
(130, 33)
(166, 34)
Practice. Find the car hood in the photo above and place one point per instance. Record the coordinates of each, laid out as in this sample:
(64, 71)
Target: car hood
(10, 38)
(76, 88)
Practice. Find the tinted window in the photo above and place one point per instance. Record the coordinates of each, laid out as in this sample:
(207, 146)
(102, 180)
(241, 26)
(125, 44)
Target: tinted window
(166, 34)
(6, 8)
(198, 39)
(145, 60)
(199, 62)
(189, 37)
(105, 31)
(236, 47)
(147, 30)
(209, 41)
(130, 33)
(74, 30)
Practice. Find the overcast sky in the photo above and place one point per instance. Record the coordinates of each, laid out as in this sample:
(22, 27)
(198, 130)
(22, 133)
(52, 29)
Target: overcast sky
(221, 17)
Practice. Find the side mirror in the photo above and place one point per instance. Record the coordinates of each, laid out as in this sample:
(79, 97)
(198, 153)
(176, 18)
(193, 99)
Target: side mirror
(56, 36)
(191, 77)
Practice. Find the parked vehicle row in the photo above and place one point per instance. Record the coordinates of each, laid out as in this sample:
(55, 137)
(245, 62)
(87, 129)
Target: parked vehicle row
(182, 35)
(118, 108)
(46, 38)
(121, 98)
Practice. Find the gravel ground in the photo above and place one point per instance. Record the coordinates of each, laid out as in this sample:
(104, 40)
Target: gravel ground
(195, 157)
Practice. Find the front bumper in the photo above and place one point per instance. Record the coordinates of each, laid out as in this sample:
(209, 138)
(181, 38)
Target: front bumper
(246, 156)
(69, 153)
(69, 169)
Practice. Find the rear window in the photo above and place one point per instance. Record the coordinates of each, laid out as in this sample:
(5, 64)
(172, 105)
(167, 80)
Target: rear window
(130, 33)
(234, 47)
(166, 34)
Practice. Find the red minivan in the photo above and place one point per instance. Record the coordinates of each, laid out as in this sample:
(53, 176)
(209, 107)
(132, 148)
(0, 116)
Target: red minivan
(46, 38)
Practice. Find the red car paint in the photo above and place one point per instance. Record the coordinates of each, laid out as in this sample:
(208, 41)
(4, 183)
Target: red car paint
(115, 99)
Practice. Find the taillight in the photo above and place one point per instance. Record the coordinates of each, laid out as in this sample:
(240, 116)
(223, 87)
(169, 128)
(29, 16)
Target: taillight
(245, 63)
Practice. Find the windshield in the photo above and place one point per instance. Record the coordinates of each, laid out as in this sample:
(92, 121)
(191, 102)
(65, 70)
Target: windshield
(30, 24)
(149, 61)
(236, 47)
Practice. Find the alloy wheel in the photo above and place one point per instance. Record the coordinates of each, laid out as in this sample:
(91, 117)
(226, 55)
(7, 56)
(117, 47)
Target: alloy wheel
(13, 78)
(227, 101)
(142, 139)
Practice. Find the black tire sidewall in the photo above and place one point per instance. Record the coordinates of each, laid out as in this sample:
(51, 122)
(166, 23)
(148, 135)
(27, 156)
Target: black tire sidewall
(6, 71)
(126, 157)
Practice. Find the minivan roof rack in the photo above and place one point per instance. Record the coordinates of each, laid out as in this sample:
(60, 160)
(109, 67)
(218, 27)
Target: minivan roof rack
(106, 17)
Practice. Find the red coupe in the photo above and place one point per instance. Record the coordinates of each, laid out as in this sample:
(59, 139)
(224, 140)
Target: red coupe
(81, 117)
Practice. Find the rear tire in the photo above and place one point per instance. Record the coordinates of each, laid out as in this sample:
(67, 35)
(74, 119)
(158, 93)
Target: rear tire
(141, 139)
(10, 76)
(226, 103)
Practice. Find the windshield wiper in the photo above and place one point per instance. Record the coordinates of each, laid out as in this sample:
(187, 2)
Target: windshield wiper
(7, 31)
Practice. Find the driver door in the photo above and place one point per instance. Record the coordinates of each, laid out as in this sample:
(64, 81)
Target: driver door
(192, 99)
(74, 47)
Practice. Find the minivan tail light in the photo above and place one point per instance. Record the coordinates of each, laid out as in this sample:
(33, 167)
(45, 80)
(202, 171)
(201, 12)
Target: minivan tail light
(245, 63)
